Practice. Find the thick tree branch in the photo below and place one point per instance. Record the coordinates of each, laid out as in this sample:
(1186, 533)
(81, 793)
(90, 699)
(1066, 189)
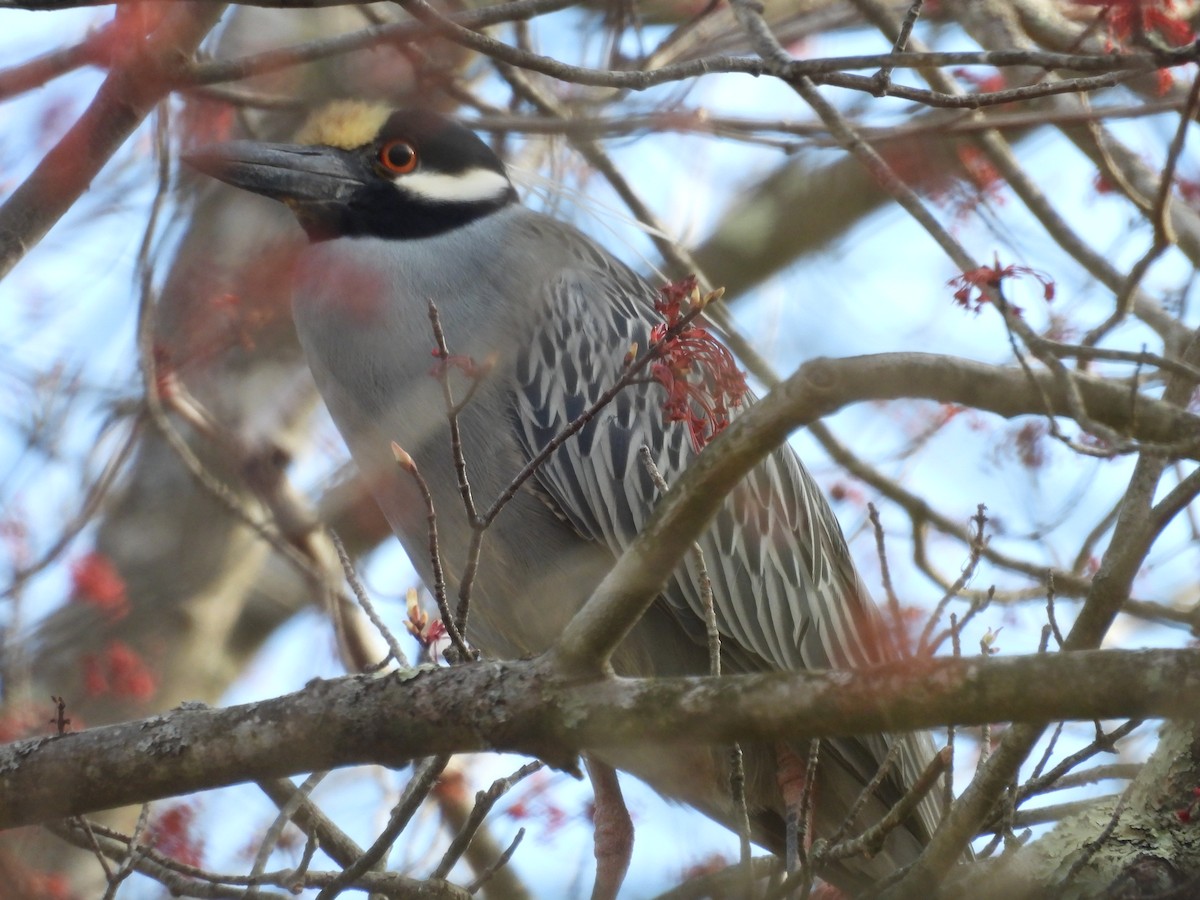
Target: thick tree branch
(524, 707)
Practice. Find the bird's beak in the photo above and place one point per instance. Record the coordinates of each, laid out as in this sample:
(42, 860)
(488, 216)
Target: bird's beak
(296, 174)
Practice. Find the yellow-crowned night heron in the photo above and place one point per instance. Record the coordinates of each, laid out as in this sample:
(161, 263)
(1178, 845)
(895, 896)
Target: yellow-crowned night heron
(408, 207)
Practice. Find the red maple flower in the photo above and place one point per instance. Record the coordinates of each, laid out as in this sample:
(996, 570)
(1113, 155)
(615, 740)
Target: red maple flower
(1030, 445)
(434, 633)
(973, 286)
(702, 381)
(171, 834)
(95, 684)
(35, 885)
(1137, 18)
(983, 82)
(96, 582)
(118, 670)
(1189, 190)
(128, 673)
(982, 173)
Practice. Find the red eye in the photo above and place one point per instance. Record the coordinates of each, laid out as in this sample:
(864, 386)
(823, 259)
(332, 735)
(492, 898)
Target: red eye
(399, 157)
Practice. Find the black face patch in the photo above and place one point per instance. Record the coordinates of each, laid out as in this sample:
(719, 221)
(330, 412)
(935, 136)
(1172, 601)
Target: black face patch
(381, 207)
(420, 176)
(443, 144)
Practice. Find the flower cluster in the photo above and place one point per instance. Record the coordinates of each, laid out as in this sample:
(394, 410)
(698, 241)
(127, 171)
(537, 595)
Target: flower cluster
(120, 671)
(96, 582)
(1132, 19)
(701, 378)
(173, 833)
(430, 633)
(973, 286)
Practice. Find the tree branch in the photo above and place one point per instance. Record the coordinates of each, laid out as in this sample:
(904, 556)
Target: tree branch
(127, 95)
(524, 707)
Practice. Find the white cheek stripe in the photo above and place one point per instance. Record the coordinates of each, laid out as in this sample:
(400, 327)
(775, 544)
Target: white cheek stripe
(470, 186)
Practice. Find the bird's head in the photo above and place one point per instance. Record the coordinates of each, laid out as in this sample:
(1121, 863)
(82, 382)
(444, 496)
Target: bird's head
(359, 169)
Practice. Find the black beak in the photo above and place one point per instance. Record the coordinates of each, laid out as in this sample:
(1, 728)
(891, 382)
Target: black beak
(293, 173)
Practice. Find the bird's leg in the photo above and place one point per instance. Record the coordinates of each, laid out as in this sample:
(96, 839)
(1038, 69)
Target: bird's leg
(612, 830)
(795, 777)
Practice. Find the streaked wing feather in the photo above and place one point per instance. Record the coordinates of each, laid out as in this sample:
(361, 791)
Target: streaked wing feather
(775, 540)
(785, 590)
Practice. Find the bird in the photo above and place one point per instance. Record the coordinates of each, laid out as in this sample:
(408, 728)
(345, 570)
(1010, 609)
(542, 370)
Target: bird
(409, 209)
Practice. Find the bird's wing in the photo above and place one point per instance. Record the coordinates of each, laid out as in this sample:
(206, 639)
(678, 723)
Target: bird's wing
(785, 591)
(784, 588)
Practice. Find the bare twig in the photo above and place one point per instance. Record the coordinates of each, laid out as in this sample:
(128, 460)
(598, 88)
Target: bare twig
(486, 875)
(883, 77)
(409, 465)
(37, 72)
(1048, 781)
(360, 595)
(863, 796)
(951, 729)
(476, 372)
(1164, 234)
(484, 801)
(271, 837)
(977, 545)
(885, 574)
(632, 373)
(133, 851)
(309, 818)
(422, 782)
(737, 772)
(871, 840)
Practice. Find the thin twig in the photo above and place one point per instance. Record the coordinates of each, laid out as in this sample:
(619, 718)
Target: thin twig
(885, 575)
(134, 851)
(951, 729)
(804, 821)
(454, 408)
(85, 826)
(364, 602)
(309, 818)
(871, 841)
(423, 780)
(883, 77)
(1051, 619)
(630, 376)
(977, 545)
(1046, 782)
(406, 462)
(484, 801)
(737, 771)
(865, 794)
(458, 453)
(271, 837)
(1164, 234)
(486, 875)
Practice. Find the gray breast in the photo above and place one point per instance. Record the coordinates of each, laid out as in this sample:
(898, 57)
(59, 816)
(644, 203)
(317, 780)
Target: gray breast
(361, 310)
